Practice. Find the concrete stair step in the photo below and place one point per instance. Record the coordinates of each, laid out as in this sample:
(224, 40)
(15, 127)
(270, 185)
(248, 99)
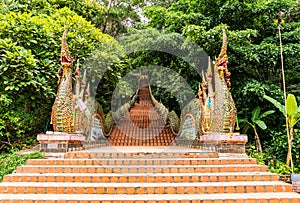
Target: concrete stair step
(141, 177)
(144, 188)
(166, 198)
(141, 169)
(144, 161)
(142, 155)
(142, 115)
(121, 143)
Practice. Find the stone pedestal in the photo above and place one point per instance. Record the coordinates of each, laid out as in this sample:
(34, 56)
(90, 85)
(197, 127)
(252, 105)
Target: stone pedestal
(60, 142)
(222, 142)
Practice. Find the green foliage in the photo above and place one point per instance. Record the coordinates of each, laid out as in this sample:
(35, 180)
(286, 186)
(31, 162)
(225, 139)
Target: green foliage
(165, 57)
(278, 146)
(256, 120)
(258, 15)
(253, 46)
(30, 57)
(275, 165)
(292, 113)
(279, 167)
(175, 20)
(277, 104)
(112, 17)
(249, 93)
(9, 162)
(108, 20)
(196, 12)
(252, 152)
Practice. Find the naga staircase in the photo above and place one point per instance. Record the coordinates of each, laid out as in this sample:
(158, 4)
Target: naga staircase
(137, 177)
(143, 125)
(152, 169)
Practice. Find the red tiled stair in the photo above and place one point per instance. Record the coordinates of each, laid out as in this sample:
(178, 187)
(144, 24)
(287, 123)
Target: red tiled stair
(143, 125)
(158, 178)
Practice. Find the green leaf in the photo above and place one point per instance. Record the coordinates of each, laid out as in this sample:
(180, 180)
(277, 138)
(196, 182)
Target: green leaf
(255, 113)
(292, 108)
(243, 120)
(246, 128)
(276, 104)
(7, 88)
(266, 114)
(261, 124)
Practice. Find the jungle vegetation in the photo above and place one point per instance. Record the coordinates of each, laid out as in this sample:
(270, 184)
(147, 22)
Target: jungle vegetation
(30, 38)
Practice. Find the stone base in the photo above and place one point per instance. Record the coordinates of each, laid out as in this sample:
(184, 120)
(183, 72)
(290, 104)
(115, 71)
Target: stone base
(60, 142)
(222, 142)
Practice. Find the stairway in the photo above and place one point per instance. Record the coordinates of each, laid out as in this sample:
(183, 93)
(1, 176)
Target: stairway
(132, 177)
(143, 125)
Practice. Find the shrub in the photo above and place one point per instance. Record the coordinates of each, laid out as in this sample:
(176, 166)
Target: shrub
(30, 57)
(9, 162)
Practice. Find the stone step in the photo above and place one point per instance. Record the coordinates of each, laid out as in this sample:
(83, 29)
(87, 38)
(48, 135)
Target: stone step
(141, 177)
(144, 137)
(165, 198)
(140, 168)
(180, 154)
(144, 188)
(121, 143)
(144, 161)
(142, 114)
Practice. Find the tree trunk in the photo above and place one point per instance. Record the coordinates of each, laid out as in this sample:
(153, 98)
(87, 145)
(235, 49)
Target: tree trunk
(258, 144)
(110, 4)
